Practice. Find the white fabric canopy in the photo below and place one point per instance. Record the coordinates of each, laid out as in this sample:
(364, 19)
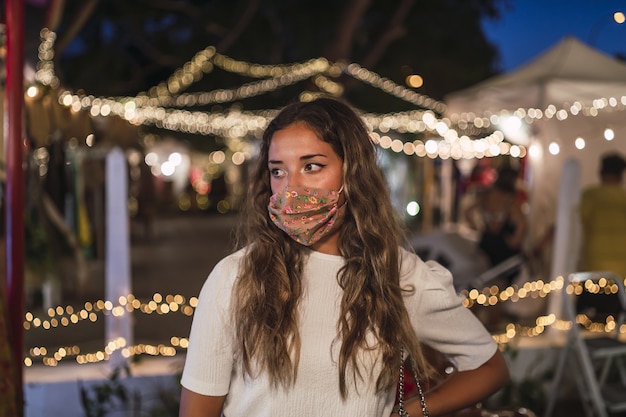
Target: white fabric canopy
(568, 72)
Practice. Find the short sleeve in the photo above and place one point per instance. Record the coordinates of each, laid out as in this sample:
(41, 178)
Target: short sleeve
(209, 361)
(438, 316)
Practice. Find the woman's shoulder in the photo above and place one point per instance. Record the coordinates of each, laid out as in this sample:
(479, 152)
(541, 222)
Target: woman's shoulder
(227, 268)
(233, 258)
(427, 285)
(422, 274)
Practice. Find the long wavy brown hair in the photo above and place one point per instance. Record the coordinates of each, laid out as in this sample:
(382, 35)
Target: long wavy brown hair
(269, 287)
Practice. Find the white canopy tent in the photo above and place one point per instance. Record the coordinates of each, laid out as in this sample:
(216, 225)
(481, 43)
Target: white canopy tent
(570, 73)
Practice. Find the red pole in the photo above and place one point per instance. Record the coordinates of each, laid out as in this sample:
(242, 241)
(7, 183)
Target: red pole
(14, 213)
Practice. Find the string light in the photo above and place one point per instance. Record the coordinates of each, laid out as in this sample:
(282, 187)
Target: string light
(296, 73)
(152, 108)
(45, 67)
(388, 86)
(488, 296)
(68, 316)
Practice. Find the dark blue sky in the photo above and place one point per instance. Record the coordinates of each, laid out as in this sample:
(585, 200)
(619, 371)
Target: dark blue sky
(530, 27)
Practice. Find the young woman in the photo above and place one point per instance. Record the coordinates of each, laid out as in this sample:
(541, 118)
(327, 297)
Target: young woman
(309, 316)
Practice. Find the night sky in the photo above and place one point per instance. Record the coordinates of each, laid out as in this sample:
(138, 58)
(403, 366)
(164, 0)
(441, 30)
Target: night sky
(530, 27)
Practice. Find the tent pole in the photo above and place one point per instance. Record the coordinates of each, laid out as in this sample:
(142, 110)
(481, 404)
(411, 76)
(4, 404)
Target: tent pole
(14, 199)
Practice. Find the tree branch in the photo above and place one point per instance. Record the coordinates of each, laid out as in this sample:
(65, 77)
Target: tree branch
(149, 49)
(346, 28)
(242, 22)
(54, 14)
(394, 31)
(184, 7)
(137, 81)
(77, 24)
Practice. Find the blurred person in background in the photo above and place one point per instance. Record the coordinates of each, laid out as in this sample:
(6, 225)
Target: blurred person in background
(497, 215)
(603, 219)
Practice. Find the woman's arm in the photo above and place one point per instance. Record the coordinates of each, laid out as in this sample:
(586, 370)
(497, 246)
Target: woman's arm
(197, 405)
(463, 389)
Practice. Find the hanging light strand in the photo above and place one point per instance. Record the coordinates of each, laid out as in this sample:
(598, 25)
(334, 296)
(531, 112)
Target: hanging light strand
(159, 305)
(455, 136)
(388, 86)
(296, 74)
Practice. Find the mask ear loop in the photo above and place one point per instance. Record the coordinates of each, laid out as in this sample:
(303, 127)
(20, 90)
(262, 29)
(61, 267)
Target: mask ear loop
(344, 201)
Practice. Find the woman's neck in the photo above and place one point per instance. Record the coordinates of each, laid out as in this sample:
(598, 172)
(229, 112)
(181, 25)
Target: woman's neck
(328, 245)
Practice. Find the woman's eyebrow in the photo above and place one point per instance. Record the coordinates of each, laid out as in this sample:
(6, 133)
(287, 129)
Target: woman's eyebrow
(302, 158)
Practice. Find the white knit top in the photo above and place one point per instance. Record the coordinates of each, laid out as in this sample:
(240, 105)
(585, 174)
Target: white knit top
(438, 317)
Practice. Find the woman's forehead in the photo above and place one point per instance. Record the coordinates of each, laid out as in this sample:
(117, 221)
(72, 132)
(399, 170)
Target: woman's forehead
(297, 139)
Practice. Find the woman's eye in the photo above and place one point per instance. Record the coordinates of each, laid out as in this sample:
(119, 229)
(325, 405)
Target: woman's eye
(277, 172)
(312, 167)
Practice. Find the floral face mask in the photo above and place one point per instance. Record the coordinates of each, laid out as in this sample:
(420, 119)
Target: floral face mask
(306, 214)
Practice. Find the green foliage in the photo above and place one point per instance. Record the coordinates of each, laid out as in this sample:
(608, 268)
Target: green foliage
(111, 396)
